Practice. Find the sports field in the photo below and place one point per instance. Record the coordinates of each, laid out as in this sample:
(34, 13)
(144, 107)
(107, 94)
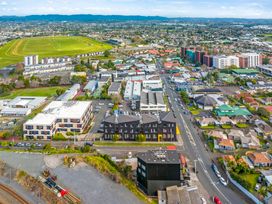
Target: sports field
(44, 92)
(55, 46)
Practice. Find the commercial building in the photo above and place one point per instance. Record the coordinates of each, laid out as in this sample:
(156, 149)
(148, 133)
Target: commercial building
(59, 116)
(190, 55)
(114, 89)
(222, 62)
(70, 93)
(152, 102)
(249, 60)
(31, 60)
(153, 84)
(158, 170)
(22, 105)
(128, 127)
(265, 69)
(133, 90)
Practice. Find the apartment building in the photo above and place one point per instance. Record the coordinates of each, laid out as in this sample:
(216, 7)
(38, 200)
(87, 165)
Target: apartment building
(59, 116)
(128, 127)
(31, 60)
(223, 61)
(249, 60)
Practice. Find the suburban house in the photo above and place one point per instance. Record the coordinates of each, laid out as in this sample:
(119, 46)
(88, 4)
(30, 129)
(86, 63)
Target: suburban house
(235, 135)
(205, 102)
(259, 159)
(227, 110)
(263, 129)
(206, 121)
(225, 120)
(217, 134)
(224, 145)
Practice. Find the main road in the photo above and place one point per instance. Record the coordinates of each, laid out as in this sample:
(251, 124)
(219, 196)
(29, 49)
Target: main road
(191, 144)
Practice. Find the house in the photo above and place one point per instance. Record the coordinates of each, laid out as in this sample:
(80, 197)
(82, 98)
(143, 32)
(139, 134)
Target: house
(91, 86)
(259, 159)
(225, 120)
(207, 121)
(227, 110)
(267, 175)
(205, 102)
(263, 129)
(224, 145)
(268, 109)
(250, 140)
(217, 134)
(240, 119)
(235, 134)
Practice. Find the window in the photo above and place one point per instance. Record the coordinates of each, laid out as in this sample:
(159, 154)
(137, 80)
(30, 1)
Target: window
(65, 120)
(29, 127)
(39, 127)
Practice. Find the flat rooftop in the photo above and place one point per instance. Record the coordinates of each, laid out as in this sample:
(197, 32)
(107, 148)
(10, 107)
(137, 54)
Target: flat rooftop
(160, 157)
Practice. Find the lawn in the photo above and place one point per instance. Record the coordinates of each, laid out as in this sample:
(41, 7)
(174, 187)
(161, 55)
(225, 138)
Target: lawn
(44, 91)
(52, 46)
(226, 126)
(241, 125)
(194, 110)
(208, 127)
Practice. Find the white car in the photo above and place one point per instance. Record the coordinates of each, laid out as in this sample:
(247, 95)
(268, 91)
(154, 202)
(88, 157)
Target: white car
(223, 181)
(203, 200)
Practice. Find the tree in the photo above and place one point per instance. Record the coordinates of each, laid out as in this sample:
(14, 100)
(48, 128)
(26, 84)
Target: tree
(116, 99)
(107, 53)
(141, 138)
(185, 97)
(233, 67)
(78, 79)
(80, 68)
(86, 149)
(6, 135)
(266, 60)
(115, 137)
(263, 112)
(54, 80)
(60, 91)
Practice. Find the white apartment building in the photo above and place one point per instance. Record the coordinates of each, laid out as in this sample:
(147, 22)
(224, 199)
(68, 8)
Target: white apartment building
(152, 102)
(223, 61)
(59, 116)
(31, 60)
(253, 59)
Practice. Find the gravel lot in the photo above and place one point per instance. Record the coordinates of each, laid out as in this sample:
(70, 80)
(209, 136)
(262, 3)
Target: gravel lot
(91, 186)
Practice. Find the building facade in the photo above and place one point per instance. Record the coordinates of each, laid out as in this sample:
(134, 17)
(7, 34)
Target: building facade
(156, 170)
(128, 127)
(59, 116)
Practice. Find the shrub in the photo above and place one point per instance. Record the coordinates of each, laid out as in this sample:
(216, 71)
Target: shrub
(116, 137)
(141, 138)
(59, 137)
(86, 149)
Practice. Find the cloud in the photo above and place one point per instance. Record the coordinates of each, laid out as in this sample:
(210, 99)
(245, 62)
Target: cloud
(3, 3)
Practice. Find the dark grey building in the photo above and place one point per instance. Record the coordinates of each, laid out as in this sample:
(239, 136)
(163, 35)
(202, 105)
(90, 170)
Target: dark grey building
(128, 127)
(157, 170)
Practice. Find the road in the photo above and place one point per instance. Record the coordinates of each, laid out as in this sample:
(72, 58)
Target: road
(196, 152)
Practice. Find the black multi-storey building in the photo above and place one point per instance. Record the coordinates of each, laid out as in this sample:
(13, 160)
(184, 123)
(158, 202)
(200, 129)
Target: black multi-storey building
(157, 170)
(128, 127)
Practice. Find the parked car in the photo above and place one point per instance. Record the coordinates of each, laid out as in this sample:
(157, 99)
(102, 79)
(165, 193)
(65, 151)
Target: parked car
(203, 200)
(223, 181)
(214, 167)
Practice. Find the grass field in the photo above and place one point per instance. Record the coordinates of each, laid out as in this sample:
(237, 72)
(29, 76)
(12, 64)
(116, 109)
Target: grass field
(44, 91)
(54, 46)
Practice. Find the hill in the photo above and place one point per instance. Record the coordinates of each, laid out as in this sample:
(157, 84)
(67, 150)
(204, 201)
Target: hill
(57, 46)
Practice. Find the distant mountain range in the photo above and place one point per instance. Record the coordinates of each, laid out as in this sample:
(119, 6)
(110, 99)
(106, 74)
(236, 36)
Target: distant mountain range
(95, 18)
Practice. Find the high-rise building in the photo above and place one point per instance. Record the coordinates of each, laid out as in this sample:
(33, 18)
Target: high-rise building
(199, 55)
(190, 54)
(208, 60)
(31, 60)
(183, 51)
(222, 62)
(249, 60)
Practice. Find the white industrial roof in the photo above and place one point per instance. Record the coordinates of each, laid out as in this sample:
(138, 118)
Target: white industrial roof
(60, 109)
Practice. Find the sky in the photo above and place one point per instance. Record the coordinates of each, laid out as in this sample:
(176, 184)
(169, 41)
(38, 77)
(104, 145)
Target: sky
(167, 8)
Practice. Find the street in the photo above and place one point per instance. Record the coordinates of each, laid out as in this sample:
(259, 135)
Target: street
(196, 152)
